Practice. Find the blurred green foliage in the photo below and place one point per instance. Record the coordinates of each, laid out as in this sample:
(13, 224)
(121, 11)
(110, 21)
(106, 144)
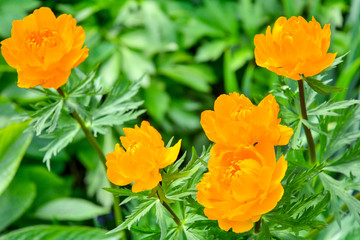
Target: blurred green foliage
(186, 53)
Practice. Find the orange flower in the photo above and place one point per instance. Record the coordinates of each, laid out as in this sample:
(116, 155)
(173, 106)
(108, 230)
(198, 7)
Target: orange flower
(43, 49)
(236, 121)
(142, 158)
(241, 185)
(294, 47)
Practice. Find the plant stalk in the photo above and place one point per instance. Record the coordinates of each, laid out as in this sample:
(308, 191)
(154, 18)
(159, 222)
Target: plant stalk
(99, 152)
(257, 226)
(308, 134)
(175, 217)
(331, 218)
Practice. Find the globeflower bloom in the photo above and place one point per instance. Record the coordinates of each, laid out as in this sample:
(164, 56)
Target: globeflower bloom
(236, 121)
(241, 185)
(140, 160)
(43, 49)
(294, 47)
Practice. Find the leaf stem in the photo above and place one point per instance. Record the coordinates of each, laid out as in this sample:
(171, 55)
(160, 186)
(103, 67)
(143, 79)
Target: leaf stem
(257, 226)
(331, 218)
(308, 134)
(99, 152)
(175, 217)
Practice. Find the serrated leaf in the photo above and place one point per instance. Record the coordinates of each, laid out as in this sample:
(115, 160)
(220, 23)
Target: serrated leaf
(59, 232)
(327, 108)
(138, 212)
(336, 62)
(46, 117)
(121, 192)
(338, 189)
(161, 215)
(182, 174)
(320, 87)
(61, 138)
(117, 108)
(69, 209)
(84, 85)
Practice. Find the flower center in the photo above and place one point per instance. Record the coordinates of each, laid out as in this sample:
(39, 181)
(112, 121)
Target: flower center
(133, 147)
(241, 167)
(44, 37)
(241, 112)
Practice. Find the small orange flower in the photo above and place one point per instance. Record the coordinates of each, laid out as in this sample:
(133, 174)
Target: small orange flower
(43, 49)
(236, 121)
(294, 47)
(241, 185)
(142, 158)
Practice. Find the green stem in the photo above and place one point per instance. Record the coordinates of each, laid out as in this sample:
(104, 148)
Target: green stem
(175, 217)
(331, 218)
(257, 226)
(308, 134)
(99, 152)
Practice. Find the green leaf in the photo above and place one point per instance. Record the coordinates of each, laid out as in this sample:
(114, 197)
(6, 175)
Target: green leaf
(12, 149)
(69, 209)
(138, 212)
(321, 88)
(327, 108)
(210, 51)
(59, 232)
(117, 108)
(10, 11)
(339, 189)
(161, 215)
(122, 192)
(47, 184)
(346, 76)
(230, 80)
(61, 137)
(157, 100)
(46, 117)
(336, 62)
(182, 174)
(240, 57)
(196, 76)
(135, 64)
(264, 231)
(81, 85)
(15, 201)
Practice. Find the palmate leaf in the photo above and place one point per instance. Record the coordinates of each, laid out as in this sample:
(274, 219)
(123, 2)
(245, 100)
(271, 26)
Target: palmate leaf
(61, 137)
(46, 116)
(328, 108)
(81, 85)
(59, 232)
(117, 108)
(343, 135)
(138, 212)
(299, 213)
(161, 215)
(339, 189)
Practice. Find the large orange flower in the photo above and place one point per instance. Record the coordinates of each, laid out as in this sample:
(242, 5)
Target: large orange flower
(236, 121)
(142, 158)
(43, 49)
(241, 185)
(294, 47)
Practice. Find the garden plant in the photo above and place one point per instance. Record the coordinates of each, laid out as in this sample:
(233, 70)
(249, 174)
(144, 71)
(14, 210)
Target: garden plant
(179, 119)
